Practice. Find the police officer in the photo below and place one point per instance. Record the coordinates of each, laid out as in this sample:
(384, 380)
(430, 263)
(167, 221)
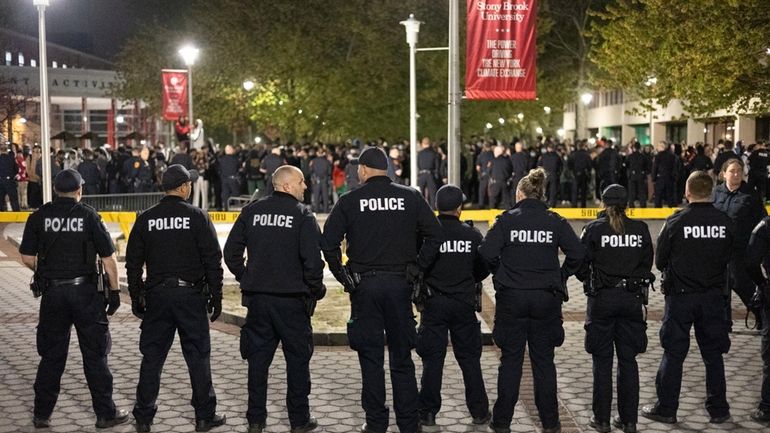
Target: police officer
(90, 172)
(60, 244)
(758, 252)
(500, 171)
(616, 277)
(452, 280)
(522, 250)
(270, 164)
(580, 162)
(608, 165)
(663, 166)
(8, 174)
(758, 162)
(229, 172)
(520, 164)
(320, 176)
(552, 164)
(693, 251)
(482, 170)
(280, 287)
(178, 244)
(351, 171)
(382, 221)
(428, 166)
(637, 169)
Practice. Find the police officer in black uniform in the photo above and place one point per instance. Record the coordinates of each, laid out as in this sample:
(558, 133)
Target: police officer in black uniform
(453, 281)
(552, 164)
(482, 170)
(178, 244)
(608, 165)
(616, 277)
(522, 250)
(500, 172)
(270, 164)
(663, 166)
(8, 172)
(428, 165)
(90, 172)
(280, 288)
(60, 244)
(758, 252)
(580, 162)
(758, 162)
(637, 169)
(382, 221)
(520, 164)
(320, 176)
(694, 248)
(229, 172)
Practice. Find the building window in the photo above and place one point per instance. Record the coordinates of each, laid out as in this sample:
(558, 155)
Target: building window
(64, 66)
(54, 64)
(33, 63)
(763, 128)
(21, 59)
(73, 121)
(8, 58)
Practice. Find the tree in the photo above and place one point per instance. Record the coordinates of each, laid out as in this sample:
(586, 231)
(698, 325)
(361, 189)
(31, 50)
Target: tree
(710, 54)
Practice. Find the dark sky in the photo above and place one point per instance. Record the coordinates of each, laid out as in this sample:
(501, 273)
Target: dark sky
(97, 27)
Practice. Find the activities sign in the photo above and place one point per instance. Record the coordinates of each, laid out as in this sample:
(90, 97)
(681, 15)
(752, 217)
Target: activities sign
(501, 49)
(174, 93)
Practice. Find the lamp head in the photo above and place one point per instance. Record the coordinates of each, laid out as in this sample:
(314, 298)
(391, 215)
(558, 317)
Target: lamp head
(189, 54)
(412, 27)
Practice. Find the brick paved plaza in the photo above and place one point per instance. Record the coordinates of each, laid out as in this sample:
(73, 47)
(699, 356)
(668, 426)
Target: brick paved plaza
(335, 374)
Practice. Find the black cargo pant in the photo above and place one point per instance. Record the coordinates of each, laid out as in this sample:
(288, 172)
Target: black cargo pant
(483, 190)
(705, 311)
(664, 191)
(615, 320)
(740, 283)
(454, 315)
(272, 319)
(60, 308)
(231, 187)
(764, 404)
(551, 188)
(427, 185)
(381, 310)
(637, 190)
(8, 187)
(579, 190)
(320, 198)
(529, 318)
(499, 195)
(171, 309)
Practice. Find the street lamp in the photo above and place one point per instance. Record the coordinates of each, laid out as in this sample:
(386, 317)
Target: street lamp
(189, 55)
(248, 85)
(586, 98)
(501, 121)
(547, 109)
(45, 129)
(412, 27)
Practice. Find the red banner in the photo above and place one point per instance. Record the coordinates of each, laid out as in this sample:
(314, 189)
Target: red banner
(501, 49)
(174, 93)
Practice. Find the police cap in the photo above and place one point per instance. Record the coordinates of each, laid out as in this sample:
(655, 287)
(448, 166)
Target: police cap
(176, 175)
(68, 180)
(448, 198)
(615, 195)
(372, 157)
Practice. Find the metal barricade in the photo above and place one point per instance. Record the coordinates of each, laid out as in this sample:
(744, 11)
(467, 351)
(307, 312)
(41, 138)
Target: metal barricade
(122, 202)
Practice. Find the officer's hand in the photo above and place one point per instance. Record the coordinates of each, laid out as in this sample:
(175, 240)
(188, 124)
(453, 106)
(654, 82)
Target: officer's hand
(215, 307)
(320, 293)
(413, 272)
(114, 302)
(138, 307)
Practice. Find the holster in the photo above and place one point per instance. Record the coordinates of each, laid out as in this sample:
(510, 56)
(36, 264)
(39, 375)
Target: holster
(760, 297)
(37, 285)
(310, 304)
(421, 292)
(350, 280)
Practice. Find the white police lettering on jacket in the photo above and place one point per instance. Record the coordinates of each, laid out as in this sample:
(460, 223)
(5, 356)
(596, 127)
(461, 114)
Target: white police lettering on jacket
(168, 223)
(272, 220)
(456, 246)
(622, 241)
(381, 203)
(63, 225)
(704, 232)
(532, 236)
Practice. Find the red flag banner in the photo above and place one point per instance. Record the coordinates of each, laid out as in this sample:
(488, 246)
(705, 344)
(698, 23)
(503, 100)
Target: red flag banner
(174, 93)
(501, 49)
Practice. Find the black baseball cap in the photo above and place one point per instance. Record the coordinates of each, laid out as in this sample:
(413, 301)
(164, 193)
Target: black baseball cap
(448, 198)
(615, 195)
(68, 180)
(175, 175)
(372, 157)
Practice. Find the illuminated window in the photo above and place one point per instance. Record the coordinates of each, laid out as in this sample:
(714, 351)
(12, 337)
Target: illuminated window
(33, 63)
(8, 58)
(54, 64)
(21, 59)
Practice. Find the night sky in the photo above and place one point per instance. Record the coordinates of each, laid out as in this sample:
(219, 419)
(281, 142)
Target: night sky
(97, 27)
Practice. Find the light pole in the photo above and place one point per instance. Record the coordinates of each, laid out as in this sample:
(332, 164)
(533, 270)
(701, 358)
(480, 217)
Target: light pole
(45, 129)
(455, 97)
(248, 86)
(189, 55)
(412, 27)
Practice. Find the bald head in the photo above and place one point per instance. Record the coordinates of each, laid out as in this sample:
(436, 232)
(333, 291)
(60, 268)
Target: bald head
(289, 179)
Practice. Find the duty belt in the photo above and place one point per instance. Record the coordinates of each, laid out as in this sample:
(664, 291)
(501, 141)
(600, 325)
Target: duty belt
(177, 282)
(374, 273)
(70, 281)
(425, 171)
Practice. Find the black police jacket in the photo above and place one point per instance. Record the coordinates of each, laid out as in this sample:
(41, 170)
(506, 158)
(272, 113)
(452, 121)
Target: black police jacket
(694, 248)
(551, 163)
(758, 251)
(69, 235)
(500, 168)
(520, 164)
(90, 172)
(702, 162)
(580, 162)
(271, 162)
(744, 207)
(608, 161)
(459, 265)
(174, 240)
(382, 222)
(663, 165)
(321, 168)
(8, 167)
(637, 166)
(229, 166)
(522, 248)
(282, 240)
(758, 162)
(482, 162)
(428, 159)
(611, 257)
